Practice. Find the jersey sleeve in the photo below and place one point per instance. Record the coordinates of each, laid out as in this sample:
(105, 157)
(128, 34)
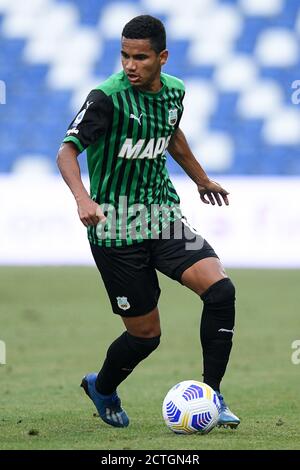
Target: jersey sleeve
(92, 120)
(180, 110)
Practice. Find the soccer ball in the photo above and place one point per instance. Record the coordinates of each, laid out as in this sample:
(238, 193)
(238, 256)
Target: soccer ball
(191, 407)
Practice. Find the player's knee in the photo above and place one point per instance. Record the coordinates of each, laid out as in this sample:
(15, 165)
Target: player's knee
(148, 329)
(143, 346)
(221, 292)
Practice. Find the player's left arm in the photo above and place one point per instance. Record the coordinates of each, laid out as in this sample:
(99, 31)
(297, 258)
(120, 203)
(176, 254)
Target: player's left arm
(210, 191)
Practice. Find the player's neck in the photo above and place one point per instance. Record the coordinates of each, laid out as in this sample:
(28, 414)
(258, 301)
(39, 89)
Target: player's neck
(153, 87)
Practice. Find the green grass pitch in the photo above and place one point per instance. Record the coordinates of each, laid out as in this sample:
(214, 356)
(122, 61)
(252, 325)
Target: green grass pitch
(57, 324)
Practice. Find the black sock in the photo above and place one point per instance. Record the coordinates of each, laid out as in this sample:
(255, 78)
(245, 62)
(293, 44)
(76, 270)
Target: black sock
(216, 330)
(122, 357)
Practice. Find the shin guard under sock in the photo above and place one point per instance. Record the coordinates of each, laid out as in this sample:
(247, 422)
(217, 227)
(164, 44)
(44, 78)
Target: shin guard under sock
(123, 355)
(216, 330)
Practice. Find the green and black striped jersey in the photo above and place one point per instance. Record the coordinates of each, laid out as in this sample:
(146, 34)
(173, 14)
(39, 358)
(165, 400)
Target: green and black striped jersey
(126, 133)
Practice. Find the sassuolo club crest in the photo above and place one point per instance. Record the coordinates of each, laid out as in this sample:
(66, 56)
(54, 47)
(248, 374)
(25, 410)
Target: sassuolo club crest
(123, 303)
(173, 116)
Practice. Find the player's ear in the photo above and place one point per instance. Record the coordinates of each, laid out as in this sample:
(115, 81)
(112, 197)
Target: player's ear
(163, 57)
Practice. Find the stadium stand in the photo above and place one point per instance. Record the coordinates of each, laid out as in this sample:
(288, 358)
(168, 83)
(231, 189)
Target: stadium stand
(238, 58)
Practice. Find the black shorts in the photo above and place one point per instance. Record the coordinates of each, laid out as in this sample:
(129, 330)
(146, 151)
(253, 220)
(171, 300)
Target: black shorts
(129, 272)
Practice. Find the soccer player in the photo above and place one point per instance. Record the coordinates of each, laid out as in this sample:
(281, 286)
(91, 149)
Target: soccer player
(133, 217)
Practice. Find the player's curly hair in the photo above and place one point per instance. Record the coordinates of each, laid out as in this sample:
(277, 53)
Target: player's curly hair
(147, 27)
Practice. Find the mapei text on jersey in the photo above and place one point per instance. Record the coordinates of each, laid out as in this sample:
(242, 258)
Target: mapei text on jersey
(153, 148)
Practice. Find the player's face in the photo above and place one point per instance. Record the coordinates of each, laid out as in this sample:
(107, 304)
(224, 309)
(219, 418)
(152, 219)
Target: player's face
(142, 64)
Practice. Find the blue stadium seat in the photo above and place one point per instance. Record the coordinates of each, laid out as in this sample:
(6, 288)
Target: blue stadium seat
(251, 30)
(35, 116)
(105, 66)
(12, 49)
(177, 61)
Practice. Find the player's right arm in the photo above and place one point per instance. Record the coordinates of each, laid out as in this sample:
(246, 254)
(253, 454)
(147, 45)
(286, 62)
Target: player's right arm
(89, 124)
(89, 211)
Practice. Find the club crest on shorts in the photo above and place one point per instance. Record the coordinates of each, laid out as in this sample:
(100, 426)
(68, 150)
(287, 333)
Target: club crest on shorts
(123, 303)
(173, 116)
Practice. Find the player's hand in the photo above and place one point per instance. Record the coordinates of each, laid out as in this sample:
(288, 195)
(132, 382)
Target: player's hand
(211, 192)
(90, 213)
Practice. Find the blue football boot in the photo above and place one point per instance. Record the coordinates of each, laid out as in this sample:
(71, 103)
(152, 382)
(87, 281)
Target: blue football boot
(108, 406)
(226, 418)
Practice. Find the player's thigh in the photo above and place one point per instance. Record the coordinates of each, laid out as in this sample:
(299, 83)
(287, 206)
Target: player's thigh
(203, 274)
(130, 280)
(187, 257)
